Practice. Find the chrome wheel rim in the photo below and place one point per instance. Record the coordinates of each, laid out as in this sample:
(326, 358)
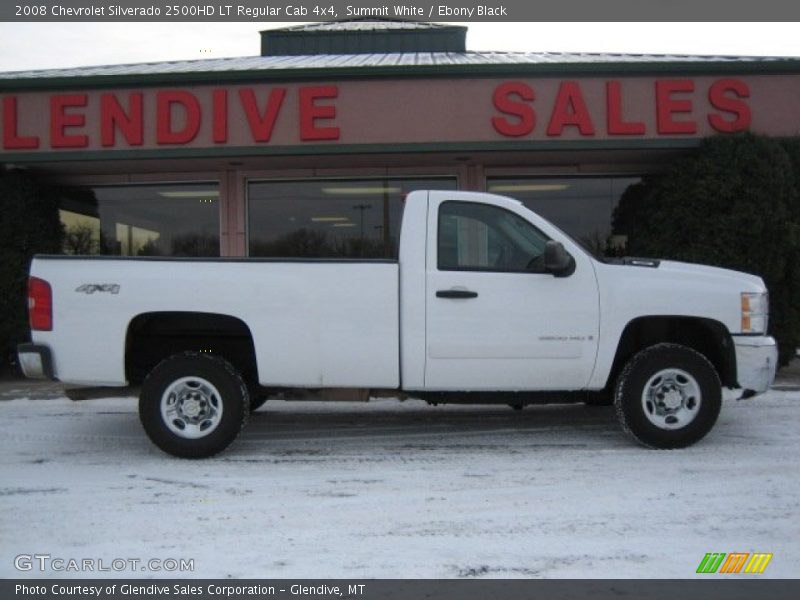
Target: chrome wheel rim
(671, 399)
(191, 407)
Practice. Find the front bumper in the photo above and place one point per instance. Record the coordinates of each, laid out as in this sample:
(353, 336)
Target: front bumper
(756, 362)
(36, 361)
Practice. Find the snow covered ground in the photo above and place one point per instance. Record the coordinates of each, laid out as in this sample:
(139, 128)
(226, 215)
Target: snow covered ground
(400, 489)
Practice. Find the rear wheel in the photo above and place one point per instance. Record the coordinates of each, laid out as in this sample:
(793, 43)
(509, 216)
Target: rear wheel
(193, 405)
(668, 396)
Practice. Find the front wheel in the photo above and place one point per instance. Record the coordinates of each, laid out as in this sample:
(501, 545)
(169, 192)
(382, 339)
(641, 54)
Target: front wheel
(668, 396)
(193, 405)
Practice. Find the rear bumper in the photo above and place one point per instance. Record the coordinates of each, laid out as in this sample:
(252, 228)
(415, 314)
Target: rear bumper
(756, 363)
(36, 361)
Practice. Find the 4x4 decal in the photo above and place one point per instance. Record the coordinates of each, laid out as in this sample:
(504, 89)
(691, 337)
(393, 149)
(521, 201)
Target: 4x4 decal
(91, 288)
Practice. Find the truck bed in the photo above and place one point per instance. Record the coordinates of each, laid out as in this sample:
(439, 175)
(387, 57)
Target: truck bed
(314, 323)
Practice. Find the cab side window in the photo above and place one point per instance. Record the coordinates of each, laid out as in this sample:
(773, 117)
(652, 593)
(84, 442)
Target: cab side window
(482, 237)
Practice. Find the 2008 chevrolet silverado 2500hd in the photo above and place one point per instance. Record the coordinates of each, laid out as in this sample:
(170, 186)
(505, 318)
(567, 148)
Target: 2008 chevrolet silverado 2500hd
(488, 302)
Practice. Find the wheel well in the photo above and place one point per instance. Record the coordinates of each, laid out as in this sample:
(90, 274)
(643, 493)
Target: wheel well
(710, 338)
(152, 337)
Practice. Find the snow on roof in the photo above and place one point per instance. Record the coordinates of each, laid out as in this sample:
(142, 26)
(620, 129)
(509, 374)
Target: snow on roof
(388, 61)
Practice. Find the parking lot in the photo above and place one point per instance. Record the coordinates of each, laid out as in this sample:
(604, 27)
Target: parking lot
(398, 489)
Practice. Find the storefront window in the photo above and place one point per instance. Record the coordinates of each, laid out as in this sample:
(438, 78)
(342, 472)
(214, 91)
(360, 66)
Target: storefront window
(331, 218)
(581, 206)
(141, 220)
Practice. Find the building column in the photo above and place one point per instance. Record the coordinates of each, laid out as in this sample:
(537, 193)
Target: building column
(472, 178)
(233, 217)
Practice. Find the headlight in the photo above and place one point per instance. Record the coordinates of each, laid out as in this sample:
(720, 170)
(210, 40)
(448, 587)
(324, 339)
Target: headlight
(755, 312)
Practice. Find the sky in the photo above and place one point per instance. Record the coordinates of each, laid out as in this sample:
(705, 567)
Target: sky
(26, 46)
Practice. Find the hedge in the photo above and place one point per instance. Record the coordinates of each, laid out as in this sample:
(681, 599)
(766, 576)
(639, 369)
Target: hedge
(30, 225)
(735, 203)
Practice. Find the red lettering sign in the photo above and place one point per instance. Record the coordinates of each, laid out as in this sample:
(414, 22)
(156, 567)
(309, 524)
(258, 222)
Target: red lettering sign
(261, 125)
(60, 120)
(615, 123)
(311, 112)
(524, 113)
(165, 125)
(220, 119)
(570, 110)
(247, 115)
(113, 117)
(719, 95)
(11, 138)
(667, 106)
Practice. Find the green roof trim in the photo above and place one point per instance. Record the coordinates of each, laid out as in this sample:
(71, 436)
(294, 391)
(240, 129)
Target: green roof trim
(25, 82)
(322, 149)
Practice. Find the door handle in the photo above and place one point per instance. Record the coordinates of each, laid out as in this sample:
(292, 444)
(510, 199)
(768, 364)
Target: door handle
(456, 294)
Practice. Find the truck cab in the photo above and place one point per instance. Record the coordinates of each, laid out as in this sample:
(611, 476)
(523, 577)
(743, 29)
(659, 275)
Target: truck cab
(499, 311)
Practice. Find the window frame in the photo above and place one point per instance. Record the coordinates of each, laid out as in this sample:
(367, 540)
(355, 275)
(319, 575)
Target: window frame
(439, 266)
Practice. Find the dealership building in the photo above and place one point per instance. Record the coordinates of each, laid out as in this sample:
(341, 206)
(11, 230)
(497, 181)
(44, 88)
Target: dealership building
(309, 148)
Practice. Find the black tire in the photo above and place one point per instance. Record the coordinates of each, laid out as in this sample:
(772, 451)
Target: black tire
(699, 406)
(227, 392)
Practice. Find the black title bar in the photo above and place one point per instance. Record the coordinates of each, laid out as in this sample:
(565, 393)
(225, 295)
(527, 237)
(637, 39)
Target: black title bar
(707, 588)
(420, 10)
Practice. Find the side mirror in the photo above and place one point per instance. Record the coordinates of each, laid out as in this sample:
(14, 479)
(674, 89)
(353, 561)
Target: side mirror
(557, 260)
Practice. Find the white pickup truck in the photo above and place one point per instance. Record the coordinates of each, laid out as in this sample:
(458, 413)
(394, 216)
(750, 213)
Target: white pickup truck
(488, 302)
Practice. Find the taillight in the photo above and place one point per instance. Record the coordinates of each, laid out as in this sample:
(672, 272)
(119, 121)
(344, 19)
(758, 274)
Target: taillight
(40, 304)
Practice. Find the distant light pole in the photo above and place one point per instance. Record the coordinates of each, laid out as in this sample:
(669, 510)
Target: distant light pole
(387, 243)
(361, 208)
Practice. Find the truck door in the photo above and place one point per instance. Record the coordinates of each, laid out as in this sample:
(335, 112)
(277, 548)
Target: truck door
(495, 320)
